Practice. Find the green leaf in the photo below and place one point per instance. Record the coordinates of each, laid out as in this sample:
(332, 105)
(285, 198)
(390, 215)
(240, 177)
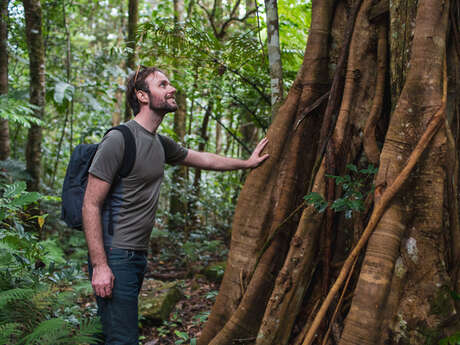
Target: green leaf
(352, 167)
(63, 90)
(181, 335)
(316, 200)
(14, 189)
(26, 199)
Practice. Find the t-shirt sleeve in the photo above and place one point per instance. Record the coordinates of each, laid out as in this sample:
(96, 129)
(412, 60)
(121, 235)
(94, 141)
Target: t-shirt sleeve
(109, 156)
(174, 153)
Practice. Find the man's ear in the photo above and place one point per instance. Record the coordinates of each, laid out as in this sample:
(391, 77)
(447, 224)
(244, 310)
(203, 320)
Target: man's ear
(142, 96)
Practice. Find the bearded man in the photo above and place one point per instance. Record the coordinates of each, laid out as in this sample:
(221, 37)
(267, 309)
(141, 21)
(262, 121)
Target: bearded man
(118, 258)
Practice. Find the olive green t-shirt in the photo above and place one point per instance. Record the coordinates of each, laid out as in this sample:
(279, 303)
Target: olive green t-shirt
(133, 198)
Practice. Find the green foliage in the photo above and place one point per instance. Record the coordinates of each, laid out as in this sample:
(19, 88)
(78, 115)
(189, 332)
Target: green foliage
(18, 111)
(451, 340)
(57, 331)
(317, 200)
(355, 187)
(33, 309)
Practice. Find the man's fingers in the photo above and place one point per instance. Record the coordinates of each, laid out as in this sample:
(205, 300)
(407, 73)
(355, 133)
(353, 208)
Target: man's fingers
(263, 142)
(103, 291)
(261, 145)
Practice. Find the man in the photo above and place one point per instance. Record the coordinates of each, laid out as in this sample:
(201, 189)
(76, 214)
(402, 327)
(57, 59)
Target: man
(118, 261)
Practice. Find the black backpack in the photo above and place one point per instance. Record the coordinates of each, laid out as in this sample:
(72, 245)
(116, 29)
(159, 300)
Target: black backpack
(76, 177)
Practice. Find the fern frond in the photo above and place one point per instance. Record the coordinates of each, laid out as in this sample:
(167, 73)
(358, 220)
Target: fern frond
(9, 330)
(48, 332)
(88, 332)
(12, 295)
(57, 331)
(44, 298)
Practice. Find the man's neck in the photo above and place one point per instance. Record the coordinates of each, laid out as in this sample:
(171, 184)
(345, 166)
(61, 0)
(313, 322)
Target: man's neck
(149, 120)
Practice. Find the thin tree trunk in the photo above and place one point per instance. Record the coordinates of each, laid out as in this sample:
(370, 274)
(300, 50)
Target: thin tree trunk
(177, 203)
(68, 67)
(274, 55)
(197, 177)
(33, 16)
(4, 128)
(218, 138)
(131, 43)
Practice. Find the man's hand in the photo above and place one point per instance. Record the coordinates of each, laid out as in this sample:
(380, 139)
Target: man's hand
(256, 159)
(211, 161)
(102, 281)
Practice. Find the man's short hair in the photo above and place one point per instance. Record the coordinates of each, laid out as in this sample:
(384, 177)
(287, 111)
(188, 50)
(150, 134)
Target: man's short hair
(136, 82)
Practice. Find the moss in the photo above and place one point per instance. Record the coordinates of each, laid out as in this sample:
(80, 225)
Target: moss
(442, 303)
(214, 272)
(155, 306)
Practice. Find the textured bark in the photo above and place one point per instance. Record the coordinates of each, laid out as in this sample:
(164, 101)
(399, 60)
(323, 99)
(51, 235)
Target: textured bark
(401, 284)
(411, 214)
(33, 16)
(131, 43)
(276, 182)
(274, 55)
(4, 129)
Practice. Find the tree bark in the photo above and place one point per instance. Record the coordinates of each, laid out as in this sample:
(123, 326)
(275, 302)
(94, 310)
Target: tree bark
(413, 220)
(279, 181)
(385, 103)
(4, 128)
(33, 16)
(274, 55)
(131, 43)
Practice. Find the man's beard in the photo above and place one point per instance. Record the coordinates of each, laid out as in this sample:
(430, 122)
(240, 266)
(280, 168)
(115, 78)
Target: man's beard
(161, 106)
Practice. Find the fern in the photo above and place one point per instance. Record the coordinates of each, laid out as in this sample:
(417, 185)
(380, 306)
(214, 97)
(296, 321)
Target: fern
(57, 331)
(12, 295)
(9, 330)
(87, 331)
(18, 111)
(48, 332)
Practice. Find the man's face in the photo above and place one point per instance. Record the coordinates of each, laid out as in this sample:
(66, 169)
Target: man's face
(162, 94)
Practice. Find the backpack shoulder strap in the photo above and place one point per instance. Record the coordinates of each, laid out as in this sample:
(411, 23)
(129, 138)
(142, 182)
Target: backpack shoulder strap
(129, 155)
(162, 139)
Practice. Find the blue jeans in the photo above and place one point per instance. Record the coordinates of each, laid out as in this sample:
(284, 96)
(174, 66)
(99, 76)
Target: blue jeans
(119, 314)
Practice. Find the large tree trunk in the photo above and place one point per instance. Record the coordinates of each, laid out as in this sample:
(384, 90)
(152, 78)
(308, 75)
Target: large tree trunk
(33, 15)
(4, 129)
(372, 79)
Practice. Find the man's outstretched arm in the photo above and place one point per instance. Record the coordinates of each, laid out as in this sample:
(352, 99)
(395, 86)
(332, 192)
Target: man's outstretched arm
(211, 161)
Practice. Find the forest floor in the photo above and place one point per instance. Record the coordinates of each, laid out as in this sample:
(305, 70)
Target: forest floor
(189, 314)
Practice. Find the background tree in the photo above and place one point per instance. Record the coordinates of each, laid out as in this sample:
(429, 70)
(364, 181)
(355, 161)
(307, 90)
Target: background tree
(131, 43)
(275, 278)
(35, 44)
(274, 55)
(178, 201)
(4, 128)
